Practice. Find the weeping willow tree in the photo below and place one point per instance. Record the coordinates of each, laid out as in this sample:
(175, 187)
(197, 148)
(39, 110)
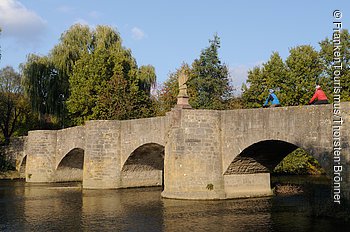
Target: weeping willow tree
(89, 75)
(46, 78)
(42, 85)
(74, 43)
(147, 76)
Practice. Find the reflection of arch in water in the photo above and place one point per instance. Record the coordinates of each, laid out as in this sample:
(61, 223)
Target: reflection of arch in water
(144, 167)
(70, 167)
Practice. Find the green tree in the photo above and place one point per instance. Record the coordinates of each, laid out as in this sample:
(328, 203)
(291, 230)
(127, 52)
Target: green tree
(272, 74)
(166, 93)
(299, 162)
(303, 71)
(328, 48)
(209, 86)
(147, 78)
(12, 102)
(253, 92)
(107, 84)
(79, 73)
(293, 80)
(74, 43)
(275, 72)
(42, 86)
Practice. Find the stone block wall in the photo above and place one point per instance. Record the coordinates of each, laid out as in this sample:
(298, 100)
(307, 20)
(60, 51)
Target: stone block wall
(193, 166)
(199, 140)
(69, 139)
(14, 152)
(108, 146)
(138, 132)
(141, 178)
(71, 166)
(102, 165)
(308, 127)
(41, 150)
(247, 185)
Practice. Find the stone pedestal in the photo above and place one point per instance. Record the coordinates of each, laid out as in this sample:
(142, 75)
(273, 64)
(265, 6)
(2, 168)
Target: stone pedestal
(182, 102)
(182, 97)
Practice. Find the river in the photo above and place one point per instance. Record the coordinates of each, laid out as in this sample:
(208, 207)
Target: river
(67, 207)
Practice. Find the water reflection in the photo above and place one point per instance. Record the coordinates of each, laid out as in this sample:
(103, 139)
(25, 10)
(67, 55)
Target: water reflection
(67, 207)
(122, 210)
(230, 215)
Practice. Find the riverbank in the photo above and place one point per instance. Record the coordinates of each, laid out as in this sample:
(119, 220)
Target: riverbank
(9, 175)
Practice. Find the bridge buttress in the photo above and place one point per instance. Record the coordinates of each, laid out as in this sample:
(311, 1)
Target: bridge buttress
(102, 161)
(192, 165)
(41, 151)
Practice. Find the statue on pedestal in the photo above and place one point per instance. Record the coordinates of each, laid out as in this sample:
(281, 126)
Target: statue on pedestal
(182, 79)
(182, 97)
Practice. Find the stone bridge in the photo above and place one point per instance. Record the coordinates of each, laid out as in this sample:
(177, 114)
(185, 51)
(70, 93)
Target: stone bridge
(194, 154)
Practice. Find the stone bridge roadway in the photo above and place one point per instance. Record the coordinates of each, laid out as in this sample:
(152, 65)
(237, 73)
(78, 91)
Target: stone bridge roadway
(194, 154)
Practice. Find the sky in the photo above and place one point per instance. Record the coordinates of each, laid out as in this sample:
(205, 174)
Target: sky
(166, 34)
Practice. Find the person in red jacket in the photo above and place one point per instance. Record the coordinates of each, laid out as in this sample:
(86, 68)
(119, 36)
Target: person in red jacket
(319, 97)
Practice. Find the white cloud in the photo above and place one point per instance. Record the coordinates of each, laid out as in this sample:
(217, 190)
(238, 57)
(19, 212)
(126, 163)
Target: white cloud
(19, 22)
(137, 33)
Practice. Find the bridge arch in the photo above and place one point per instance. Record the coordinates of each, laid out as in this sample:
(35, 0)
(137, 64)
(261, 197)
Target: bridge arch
(70, 167)
(264, 155)
(144, 166)
(248, 174)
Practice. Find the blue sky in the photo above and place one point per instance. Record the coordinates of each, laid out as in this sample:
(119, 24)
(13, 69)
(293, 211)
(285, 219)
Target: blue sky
(167, 33)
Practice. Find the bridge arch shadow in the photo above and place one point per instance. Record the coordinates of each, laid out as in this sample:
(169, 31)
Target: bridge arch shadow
(21, 168)
(70, 167)
(249, 173)
(144, 167)
(260, 157)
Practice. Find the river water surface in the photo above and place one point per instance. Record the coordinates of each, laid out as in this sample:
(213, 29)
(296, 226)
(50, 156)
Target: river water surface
(68, 207)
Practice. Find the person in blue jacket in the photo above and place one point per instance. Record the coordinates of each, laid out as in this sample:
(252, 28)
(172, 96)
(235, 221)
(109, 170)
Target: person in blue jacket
(272, 98)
